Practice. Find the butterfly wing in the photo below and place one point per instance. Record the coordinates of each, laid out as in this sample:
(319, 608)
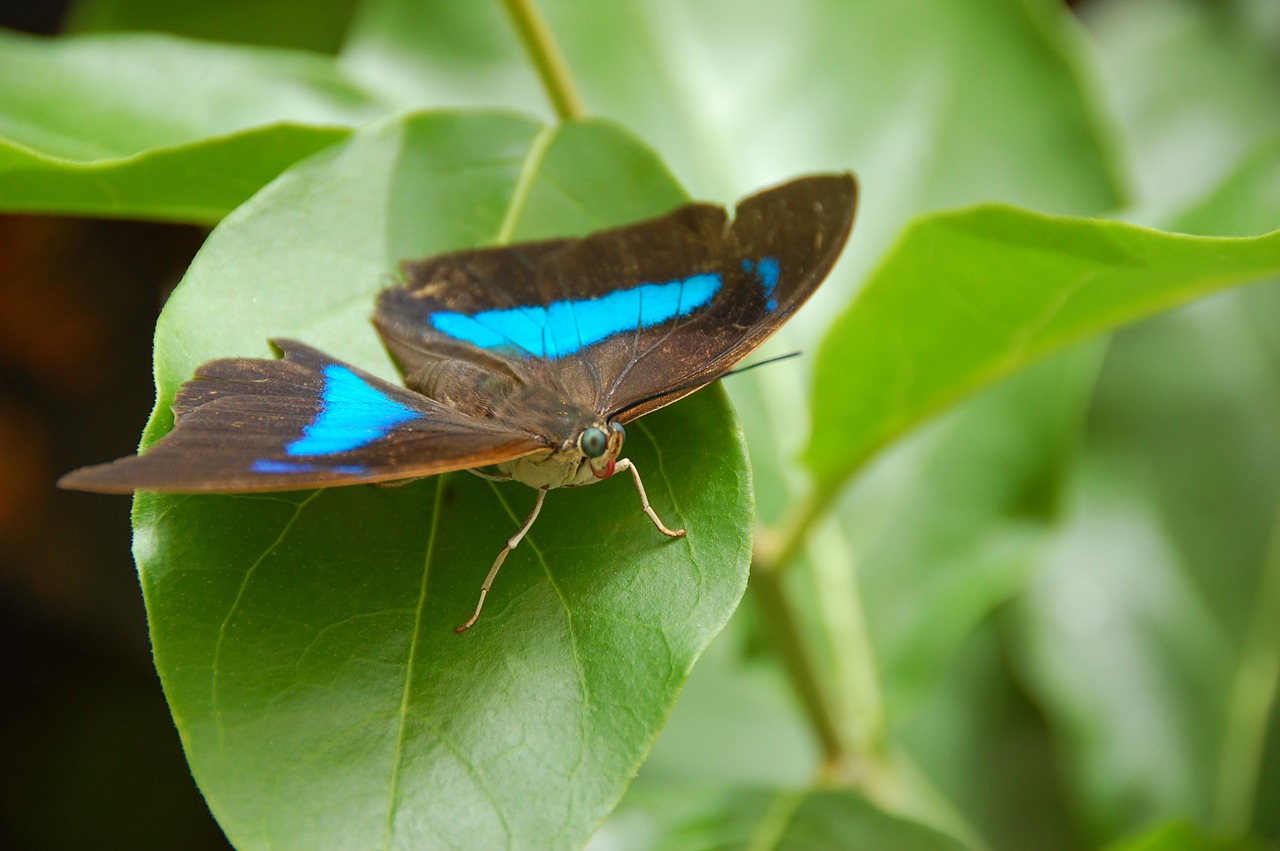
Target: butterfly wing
(244, 425)
(467, 282)
(627, 320)
(779, 247)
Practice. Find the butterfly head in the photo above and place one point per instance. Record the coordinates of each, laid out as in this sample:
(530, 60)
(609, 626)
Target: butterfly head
(599, 445)
(589, 454)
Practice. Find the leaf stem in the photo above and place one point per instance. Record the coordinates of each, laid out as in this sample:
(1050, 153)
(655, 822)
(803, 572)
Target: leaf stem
(848, 724)
(796, 529)
(1253, 694)
(545, 52)
(779, 615)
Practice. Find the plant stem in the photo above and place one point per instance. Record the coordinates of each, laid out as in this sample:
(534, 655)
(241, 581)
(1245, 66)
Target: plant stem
(848, 722)
(779, 616)
(538, 39)
(1252, 696)
(796, 530)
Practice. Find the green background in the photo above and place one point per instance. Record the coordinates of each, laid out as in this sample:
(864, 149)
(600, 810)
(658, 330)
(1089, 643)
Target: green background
(1027, 572)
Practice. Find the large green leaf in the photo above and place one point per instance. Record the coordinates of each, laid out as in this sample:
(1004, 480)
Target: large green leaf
(157, 127)
(306, 640)
(969, 297)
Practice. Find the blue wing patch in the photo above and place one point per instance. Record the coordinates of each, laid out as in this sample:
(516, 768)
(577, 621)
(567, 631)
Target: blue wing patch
(564, 328)
(767, 272)
(352, 414)
(266, 465)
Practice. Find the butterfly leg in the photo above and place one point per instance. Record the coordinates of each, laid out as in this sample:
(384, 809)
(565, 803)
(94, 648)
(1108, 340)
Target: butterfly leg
(493, 477)
(625, 464)
(399, 483)
(502, 556)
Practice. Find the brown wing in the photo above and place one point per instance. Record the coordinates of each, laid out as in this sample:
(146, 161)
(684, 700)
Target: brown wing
(627, 320)
(244, 425)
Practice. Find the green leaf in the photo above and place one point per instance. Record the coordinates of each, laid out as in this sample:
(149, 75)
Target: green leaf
(981, 746)
(1243, 204)
(950, 527)
(304, 24)
(1193, 85)
(305, 640)
(1180, 836)
(1131, 665)
(446, 54)
(702, 744)
(814, 820)
(917, 95)
(157, 127)
(1151, 639)
(969, 297)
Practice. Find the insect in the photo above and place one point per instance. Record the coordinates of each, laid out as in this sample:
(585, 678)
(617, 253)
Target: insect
(528, 359)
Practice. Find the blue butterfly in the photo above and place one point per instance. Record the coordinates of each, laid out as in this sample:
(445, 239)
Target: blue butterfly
(528, 359)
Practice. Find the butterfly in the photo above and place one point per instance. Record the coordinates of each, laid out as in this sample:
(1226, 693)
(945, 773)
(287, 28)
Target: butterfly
(528, 359)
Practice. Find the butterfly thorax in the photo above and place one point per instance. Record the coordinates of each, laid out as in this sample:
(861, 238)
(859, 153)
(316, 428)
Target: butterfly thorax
(588, 456)
(582, 447)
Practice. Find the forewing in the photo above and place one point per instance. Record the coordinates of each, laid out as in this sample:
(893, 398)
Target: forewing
(244, 425)
(462, 283)
(627, 320)
(780, 246)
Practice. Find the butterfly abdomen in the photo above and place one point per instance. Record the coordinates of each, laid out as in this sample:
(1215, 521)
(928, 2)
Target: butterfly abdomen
(463, 386)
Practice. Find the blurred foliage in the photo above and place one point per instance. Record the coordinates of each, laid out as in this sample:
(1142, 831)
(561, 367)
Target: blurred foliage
(1045, 615)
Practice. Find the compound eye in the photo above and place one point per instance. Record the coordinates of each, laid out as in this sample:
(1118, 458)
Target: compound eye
(620, 430)
(593, 442)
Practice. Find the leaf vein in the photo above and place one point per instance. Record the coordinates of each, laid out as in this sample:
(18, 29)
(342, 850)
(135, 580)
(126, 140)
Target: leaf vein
(406, 691)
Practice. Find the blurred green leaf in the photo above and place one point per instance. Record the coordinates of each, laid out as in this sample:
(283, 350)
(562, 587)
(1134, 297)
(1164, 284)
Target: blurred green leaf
(152, 126)
(971, 296)
(983, 745)
(1244, 203)
(702, 744)
(839, 819)
(303, 24)
(1131, 664)
(956, 530)
(306, 641)
(739, 94)
(1180, 836)
(951, 525)
(813, 820)
(446, 55)
(1194, 86)
(1149, 638)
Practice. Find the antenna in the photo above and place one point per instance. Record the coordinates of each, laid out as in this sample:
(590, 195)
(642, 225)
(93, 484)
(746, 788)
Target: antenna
(700, 382)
